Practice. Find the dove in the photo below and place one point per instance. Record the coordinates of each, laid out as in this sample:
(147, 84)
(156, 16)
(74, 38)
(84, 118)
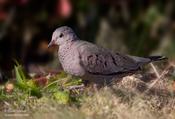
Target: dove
(85, 59)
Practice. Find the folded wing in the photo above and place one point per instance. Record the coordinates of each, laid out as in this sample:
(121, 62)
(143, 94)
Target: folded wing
(97, 60)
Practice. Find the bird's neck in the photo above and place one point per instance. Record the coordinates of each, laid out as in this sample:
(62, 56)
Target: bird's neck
(71, 39)
(64, 51)
(68, 43)
(66, 46)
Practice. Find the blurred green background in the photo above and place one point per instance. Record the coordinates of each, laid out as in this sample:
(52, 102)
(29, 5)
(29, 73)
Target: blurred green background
(137, 27)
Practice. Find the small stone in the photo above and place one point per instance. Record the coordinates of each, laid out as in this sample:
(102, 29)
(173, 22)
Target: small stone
(9, 87)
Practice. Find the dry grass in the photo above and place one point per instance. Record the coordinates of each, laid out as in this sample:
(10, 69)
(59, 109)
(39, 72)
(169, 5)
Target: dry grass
(121, 104)
(107, 103)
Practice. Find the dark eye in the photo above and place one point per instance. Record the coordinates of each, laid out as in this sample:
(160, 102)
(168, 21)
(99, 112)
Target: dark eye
(61, 35)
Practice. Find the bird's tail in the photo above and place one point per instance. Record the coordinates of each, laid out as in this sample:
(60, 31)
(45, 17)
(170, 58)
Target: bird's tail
(157, 58)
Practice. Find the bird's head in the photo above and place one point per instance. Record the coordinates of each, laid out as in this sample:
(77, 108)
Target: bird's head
(62, 35)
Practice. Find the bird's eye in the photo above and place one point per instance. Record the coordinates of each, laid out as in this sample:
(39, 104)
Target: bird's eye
(61, 35)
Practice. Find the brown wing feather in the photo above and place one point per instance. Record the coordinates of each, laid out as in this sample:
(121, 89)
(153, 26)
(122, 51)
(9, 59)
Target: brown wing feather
(97, 60)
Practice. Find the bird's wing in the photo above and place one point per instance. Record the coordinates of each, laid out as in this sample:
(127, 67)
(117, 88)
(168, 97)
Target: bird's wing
(97, 60)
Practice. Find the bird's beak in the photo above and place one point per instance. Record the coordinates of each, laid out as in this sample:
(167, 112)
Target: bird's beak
(51, 43)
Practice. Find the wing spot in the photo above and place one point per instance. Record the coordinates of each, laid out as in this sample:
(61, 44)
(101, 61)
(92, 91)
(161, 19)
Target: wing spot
(113, 60)
(89, 57)
(105, 64)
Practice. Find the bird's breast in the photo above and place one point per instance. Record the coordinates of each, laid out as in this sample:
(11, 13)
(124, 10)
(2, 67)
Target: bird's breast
(70, 61)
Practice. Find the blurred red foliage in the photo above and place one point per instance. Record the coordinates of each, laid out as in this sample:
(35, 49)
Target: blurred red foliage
(64, 8)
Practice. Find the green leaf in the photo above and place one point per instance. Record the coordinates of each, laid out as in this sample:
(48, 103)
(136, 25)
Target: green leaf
(36, 92)
(74, 81)
(62, 97)
(23, 84)
(31, 84)
(20, 77)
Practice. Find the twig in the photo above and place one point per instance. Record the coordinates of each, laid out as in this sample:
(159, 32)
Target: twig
(155, 70)
(76, 87)
(54, 83)
(159, 76)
